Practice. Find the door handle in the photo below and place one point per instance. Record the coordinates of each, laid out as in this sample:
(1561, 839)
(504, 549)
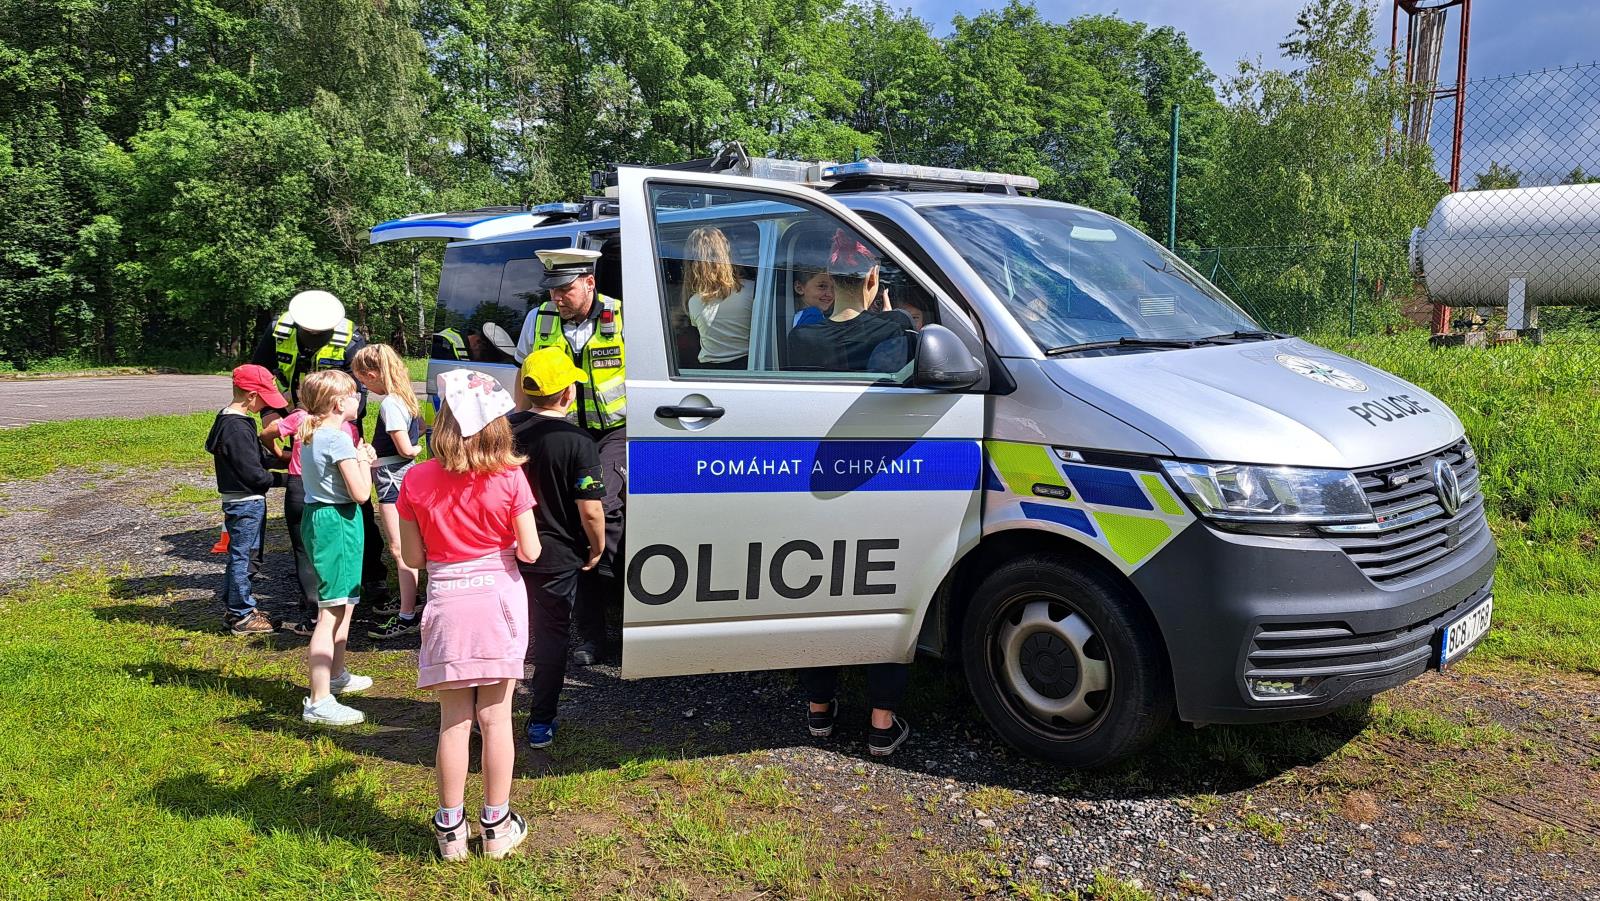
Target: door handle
(675, 411)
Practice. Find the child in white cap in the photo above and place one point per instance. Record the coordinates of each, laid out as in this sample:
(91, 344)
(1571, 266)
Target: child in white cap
(467, 515)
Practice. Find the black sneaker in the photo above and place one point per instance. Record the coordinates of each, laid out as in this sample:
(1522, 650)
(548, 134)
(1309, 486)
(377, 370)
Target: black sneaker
(394, 627)
(821, 724)
(883, 742)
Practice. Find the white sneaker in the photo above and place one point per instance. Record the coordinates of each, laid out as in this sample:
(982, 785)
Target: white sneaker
(349, 684)
(500, 839)
(329, 712)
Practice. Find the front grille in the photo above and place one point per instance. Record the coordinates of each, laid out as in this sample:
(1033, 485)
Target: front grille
(1321, 650)
(1412, 537)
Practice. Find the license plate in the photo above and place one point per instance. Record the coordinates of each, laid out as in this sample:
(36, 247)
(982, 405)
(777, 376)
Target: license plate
(1460, 635)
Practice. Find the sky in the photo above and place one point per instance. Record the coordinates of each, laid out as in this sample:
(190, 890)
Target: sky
(1546, 123)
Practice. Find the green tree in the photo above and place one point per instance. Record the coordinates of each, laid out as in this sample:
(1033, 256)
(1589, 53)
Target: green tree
(1300, 176)
(1497, 177)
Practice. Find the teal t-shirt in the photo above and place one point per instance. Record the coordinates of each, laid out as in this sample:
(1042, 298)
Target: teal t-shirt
(319, 466)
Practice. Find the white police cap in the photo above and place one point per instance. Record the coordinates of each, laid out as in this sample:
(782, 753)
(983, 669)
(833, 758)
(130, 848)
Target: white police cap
(316, 311)
(564, 265)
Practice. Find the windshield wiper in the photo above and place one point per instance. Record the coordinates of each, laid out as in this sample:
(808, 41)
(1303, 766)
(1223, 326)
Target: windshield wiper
(1242, 335)
(1121, 342)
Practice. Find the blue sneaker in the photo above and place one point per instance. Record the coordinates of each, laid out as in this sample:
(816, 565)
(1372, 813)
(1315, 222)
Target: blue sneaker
(541, 735)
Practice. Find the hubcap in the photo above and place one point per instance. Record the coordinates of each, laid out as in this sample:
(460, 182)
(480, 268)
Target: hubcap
(1052, 663)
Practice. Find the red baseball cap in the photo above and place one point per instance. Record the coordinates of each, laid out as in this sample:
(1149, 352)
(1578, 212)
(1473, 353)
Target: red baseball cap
(251, 377)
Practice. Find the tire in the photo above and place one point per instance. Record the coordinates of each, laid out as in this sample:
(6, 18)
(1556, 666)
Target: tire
(1063, 664)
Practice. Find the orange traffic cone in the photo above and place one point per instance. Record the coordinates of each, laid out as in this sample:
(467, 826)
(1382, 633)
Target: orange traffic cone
(221, 547)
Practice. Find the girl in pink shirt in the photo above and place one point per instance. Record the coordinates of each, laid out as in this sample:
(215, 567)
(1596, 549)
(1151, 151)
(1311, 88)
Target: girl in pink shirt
(467, 515)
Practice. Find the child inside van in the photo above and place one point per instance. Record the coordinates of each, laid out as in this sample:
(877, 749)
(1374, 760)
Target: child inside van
(243, 478)
(813, 288)
(568, 483)
(862, 334)
(719, 301)
(467, 515)
(336, 473)
(394, 440)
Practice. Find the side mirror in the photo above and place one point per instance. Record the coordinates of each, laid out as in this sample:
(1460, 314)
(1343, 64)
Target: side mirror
(943, 362)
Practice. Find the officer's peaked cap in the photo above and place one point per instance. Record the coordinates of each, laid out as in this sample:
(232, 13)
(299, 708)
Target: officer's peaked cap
(316, 311)
(564, 265)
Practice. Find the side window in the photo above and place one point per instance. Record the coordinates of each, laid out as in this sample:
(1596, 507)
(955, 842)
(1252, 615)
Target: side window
(485, 293)
(759, 287)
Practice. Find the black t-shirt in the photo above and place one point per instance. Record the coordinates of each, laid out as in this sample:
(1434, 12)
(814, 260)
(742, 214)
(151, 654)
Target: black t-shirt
(563, 468)
(870, 342)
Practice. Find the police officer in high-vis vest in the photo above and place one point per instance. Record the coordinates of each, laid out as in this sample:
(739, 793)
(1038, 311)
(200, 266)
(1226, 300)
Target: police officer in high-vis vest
(588, 327)
(313, 334)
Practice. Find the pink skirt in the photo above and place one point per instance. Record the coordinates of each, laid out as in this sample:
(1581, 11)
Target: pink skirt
(475, 624)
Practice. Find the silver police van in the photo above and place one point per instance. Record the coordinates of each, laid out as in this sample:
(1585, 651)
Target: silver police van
(1097, 484)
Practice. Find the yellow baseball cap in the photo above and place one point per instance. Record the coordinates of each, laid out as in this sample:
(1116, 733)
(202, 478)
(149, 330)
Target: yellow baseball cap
(549, 370)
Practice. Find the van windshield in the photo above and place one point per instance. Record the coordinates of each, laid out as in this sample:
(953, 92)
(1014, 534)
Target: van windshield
(1072, 277)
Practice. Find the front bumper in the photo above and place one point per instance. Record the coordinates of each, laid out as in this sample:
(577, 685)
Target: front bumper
(1236, 608)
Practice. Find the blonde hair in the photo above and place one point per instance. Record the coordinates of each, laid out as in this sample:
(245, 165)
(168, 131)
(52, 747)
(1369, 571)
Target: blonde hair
(380, 362)
(320, 394)
(711, 272)
(488, 451)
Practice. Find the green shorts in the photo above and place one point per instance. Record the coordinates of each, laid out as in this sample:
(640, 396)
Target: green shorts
(333, 533)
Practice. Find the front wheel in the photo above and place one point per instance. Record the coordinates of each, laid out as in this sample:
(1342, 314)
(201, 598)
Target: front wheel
(1063, 664)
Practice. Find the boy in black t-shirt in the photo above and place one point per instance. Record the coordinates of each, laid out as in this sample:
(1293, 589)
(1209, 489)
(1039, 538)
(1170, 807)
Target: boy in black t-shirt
(565, 473)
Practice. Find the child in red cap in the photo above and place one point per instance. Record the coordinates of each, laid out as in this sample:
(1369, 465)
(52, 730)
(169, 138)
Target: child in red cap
(243, 478)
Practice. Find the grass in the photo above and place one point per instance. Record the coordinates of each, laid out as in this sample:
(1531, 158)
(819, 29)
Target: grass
(155, 442)
(190, 363)
(178, 758)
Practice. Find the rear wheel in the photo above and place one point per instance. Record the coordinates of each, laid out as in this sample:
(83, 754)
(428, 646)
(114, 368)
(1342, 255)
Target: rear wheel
(1063, 664)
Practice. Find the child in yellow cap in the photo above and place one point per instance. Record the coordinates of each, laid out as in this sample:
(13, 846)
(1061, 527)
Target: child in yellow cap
(567, 479)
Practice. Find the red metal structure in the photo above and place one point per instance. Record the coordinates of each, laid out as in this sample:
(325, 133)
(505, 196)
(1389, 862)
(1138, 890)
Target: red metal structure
(1425, 27)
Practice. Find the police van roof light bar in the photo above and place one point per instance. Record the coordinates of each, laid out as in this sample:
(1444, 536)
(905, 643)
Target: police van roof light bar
(871, 173)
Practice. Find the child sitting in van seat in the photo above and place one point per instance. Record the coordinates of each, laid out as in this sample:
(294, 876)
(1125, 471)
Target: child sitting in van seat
(813, 288)
(719, 301)
(243, 478)
(568, 483)
(336, 472)
(467, 515)
(855, 337)
(394, 440)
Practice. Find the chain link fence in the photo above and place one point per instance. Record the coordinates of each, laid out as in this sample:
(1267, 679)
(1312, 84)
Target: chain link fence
(1515, 254)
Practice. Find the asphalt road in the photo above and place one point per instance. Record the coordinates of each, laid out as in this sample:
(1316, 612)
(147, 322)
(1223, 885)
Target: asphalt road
(27, 401)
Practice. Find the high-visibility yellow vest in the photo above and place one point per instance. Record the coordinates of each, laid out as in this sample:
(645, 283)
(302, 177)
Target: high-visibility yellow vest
(328, 356)
(453, 340)
(602, 403)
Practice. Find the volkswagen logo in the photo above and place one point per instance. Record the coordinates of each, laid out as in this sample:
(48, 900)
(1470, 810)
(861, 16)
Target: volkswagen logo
(1448, 486)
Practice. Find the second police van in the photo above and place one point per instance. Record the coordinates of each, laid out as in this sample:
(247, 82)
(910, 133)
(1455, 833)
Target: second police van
(1099, 485)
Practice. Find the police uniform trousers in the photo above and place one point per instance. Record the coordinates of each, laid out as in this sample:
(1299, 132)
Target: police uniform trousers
(373, 572)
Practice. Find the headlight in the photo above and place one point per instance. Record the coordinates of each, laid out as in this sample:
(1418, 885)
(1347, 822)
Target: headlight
(1288, 494)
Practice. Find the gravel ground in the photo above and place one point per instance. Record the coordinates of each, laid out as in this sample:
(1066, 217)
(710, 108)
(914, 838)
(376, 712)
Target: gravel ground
(1180, 823)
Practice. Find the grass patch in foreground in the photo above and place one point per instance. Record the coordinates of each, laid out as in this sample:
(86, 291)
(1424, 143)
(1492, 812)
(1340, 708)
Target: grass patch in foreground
(185, 772)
